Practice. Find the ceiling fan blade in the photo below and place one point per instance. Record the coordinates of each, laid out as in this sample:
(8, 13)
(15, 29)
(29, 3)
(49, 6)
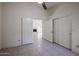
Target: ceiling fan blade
(44, 5)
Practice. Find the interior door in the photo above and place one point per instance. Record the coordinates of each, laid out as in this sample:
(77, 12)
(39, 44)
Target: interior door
(27, 28)
(62, 32)
(48, 30)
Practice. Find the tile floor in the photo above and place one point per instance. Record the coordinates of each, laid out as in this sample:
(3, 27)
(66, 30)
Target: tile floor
(39, 48)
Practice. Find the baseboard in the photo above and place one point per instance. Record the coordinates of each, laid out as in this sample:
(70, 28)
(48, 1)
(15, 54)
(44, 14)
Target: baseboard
(47, 40)
(63, 46)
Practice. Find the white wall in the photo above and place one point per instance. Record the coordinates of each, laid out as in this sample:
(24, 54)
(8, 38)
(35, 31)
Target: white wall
(71, 10)
(0, 26)
(12, 13)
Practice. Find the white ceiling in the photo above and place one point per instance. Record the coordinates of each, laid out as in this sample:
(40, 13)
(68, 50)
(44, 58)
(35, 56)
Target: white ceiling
(51, 4)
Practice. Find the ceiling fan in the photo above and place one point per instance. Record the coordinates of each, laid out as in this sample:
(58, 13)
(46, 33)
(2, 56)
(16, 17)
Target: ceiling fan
(44, 5)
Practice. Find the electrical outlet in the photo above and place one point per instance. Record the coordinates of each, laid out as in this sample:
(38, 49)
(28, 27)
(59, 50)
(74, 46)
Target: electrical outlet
(77, 46)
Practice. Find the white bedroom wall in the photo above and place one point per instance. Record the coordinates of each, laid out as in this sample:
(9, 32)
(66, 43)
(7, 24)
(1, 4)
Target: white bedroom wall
(0, 25)
(71, 10)
(12, 13)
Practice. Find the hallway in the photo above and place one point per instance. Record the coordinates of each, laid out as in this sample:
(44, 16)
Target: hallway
(41, 48)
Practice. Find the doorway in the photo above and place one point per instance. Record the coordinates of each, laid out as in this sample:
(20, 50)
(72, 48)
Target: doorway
(26, 31)
(37, 30)
(31, 31)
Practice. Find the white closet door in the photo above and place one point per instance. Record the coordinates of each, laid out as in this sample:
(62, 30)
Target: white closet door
(27, 31)
(62, 31)
(48, 30)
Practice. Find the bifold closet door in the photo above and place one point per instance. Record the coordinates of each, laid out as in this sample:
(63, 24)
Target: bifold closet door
(49, 30)
(62, 32)
(26, 31)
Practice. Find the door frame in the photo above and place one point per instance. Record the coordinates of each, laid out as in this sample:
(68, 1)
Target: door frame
(69, 33)
(21, 31)
(41, 26)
